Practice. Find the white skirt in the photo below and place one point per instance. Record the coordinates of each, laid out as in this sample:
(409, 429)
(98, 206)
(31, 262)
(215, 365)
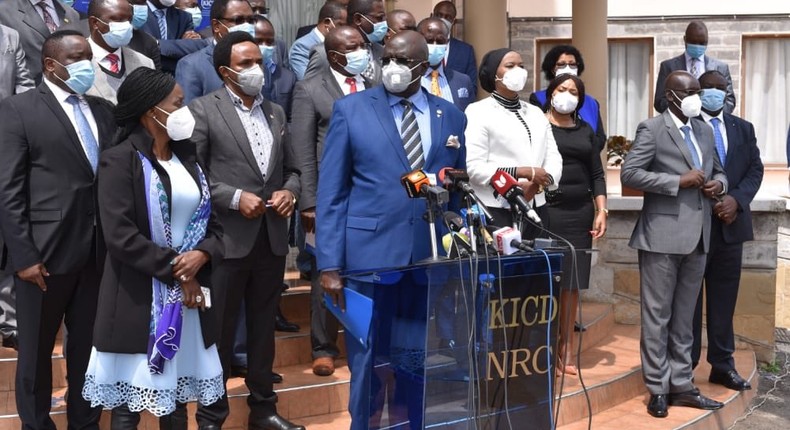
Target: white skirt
(195, 373)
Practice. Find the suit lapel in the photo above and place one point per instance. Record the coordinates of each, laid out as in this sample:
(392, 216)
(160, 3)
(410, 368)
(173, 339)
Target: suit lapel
(678, 139)
(100, 86)
(32, 19)
(228, 113)
(732, 136)
(436, 128)
(276, 128)
(57, 110)
(331, 85)
(103, 128)
(381, 106)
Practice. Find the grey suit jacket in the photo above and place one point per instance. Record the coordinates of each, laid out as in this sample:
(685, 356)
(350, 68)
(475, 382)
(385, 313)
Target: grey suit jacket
(679, 63)
(14, 76)
(318, 62)
(224, 150)
(103, 85)
(20, 15)
(672, 218)
(313, 100)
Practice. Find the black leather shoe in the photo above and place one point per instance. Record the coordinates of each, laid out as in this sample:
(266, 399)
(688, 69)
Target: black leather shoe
(277, 378)
(694, 399)
(273, 422)
(238, 371)
(282, 324)
(657, 406)
(11, 341)
(730, 379)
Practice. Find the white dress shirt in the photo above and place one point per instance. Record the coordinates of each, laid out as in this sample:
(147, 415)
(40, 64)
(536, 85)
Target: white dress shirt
(101, 54)
(61, 96)
(344, 86)
(678, 124)
(50, 8)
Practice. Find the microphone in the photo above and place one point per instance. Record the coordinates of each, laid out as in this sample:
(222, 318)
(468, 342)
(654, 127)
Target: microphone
(458, 180)
(456, 245)
(418, 185)
(507, 187)
(515, 242)
(454, 221)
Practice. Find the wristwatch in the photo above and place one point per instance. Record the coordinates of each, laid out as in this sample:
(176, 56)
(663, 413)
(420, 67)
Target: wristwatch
(604, 210)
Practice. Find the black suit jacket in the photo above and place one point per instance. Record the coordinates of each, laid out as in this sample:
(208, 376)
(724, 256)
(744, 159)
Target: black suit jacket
(22, 17)
(225, 151)
(744, 175)
(124, 309)
(47, 187)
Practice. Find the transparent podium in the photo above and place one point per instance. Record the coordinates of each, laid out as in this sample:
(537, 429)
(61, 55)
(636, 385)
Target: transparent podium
(459, 344)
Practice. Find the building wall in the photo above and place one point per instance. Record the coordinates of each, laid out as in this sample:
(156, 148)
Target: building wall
(623, 8)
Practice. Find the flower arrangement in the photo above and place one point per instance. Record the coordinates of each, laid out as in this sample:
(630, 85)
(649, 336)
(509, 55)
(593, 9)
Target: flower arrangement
(616, 149)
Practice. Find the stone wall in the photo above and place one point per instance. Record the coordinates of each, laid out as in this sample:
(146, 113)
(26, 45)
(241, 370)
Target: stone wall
(724, 37)
(615, 273)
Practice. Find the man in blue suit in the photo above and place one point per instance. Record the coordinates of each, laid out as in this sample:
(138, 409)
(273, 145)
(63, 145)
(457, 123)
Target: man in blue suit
(736, 146)
(279, 80)
(460, 55)
(173, 29)
(365, 219)
(330, 15)
(455, 87)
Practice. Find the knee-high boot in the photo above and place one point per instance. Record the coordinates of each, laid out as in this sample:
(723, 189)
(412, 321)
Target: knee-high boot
(176, 420)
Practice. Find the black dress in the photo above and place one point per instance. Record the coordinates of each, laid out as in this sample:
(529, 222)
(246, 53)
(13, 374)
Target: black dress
(570, 210)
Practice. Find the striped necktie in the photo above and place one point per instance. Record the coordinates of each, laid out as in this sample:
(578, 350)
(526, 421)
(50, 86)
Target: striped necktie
(719, 139)
(114, 62)
(160, 18)
(410, 133)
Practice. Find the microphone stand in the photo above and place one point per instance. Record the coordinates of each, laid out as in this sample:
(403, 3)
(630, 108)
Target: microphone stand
(470, 221)
(433, 201)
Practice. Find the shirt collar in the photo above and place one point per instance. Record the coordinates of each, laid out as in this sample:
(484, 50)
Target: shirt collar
(99, 53)
(271, 65)
(707, 117)
(49, 3)
(153, 8)
(440, 69)
(60, 94)
(419, 100)
(318, 34)
(236, 100)
(688, 58)
(677, 121)
(341, 77)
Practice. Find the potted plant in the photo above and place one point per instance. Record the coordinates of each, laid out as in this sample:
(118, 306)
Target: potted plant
(616, 149)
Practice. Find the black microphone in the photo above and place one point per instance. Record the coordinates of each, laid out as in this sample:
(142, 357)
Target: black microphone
(454, 221)
(507, 187)
(458, 180)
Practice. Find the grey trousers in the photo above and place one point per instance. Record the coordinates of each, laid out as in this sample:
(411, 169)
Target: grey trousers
(7, 305)
(669, 285)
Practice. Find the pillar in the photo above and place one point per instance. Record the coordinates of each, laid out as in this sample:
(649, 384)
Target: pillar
(486, 28)
(590, 37)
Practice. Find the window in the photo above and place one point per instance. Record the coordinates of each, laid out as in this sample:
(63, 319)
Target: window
(766, 92)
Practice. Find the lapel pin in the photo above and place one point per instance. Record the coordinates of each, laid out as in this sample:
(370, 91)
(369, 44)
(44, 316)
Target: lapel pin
(66, 20)
(438, 113)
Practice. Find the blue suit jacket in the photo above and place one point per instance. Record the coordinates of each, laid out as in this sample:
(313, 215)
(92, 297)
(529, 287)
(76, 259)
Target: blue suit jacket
(744, 171)
(365, 219)
(197, 77)
(300, 53)
(462, 59)
(462, 88)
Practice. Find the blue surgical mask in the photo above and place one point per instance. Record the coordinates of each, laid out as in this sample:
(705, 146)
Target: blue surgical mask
(68, 3)
(140, 15)
(120, 34)
(267, 52)
(197, 15)
(245, 27)
(379, 30)
(713, 99)
(81, 75)
(436, 54)
(356, 61)
(695, 51)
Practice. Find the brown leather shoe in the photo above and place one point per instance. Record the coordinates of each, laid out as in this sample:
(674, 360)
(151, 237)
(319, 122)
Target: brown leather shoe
(324, 366)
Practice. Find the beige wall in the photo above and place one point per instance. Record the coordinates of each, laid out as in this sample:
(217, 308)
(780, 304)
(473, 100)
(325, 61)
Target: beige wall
(631, 8)
(419, 8)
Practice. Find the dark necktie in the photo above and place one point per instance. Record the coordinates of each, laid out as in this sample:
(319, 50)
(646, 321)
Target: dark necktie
(410, 133)
(48, 21)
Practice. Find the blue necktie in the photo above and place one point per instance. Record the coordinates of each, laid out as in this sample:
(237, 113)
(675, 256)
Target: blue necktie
(160, 18)
(687, 136)
(84, 129)
(717, 137)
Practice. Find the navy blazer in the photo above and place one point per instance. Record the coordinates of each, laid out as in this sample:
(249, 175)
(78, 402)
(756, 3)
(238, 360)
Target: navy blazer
(460, 86)
(462, 59)
(172, 47)
(365, 219)
(744, 171)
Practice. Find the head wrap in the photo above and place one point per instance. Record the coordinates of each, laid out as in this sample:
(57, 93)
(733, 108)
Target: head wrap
(488, 67)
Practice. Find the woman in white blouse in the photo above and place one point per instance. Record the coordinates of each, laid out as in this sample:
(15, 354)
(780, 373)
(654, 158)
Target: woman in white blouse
(505, 133)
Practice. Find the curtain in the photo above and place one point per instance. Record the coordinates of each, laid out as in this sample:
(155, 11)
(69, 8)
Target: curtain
(629, 86)
(767, 94)
(288, 15)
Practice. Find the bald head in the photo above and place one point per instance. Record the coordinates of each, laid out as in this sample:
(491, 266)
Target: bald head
(696, 33)
(434, 28)
(679, 85)
(446, 10)
(407, 44)
(338, 37)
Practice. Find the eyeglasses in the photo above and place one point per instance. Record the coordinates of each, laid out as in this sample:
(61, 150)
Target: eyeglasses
(238, 20)
(571, 65)
(403, 61)
(260, 10)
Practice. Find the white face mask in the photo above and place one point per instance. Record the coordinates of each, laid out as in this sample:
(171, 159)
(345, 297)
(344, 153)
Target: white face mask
(180, 123)
(567, 70)
(167, 3)
(691, 106)
(250, 80)
(397, 77)
(515, 79)
(564, 102)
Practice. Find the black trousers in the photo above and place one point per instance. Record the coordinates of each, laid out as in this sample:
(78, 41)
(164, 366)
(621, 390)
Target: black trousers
(71, 298)
(722, 278)
(257, 279)
(323, 325)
